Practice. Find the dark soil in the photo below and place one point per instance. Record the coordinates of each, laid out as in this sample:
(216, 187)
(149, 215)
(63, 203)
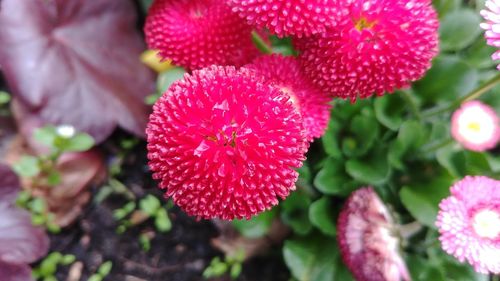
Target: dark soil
(179, 255)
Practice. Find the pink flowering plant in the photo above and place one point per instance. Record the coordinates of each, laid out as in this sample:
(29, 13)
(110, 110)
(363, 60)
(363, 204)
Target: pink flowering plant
(307, 140)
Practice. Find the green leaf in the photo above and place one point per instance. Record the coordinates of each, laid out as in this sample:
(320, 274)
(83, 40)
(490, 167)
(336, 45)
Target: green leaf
(330, 139)
(295, 212)
(448, 79)
(389, 111)
(446, 6)
(458, 29)
(312, 258)
(121, 213)
(477, 163)
(4, 97)
(453, 160)
(411, 135)
(257, 226)
(479, 55)
(95, 277)
(150, 205)
(105, 268)
(422, 199)
(68, 259)
(145, 242)
(162, 221)
(235, 270)
(80, 142)
(322, 217)
(364, 130)
(373, 170)
(167, 78)
(27, 167)
(45, 135)
(53, 178)
(332, 178)
(37, 205)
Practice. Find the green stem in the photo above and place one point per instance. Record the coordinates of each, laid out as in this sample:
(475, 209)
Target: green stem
(433, 148)
(411, 103)
(261, 44)
(494, 277)
(408, 230)
(471, 96)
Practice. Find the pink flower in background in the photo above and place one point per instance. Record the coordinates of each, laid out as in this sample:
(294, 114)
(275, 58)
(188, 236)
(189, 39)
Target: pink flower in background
(492, 26)
(285, 74)
(367, 244)
(377, 46)
(199, 33)
(469, 223)
(288, 17)
(476, 126)
(223, 144)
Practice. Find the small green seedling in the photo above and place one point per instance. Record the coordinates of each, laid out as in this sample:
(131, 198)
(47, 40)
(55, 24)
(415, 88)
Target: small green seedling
(149, 208)
(102, 272)
(40, 214)
(231, 265)
(152, 207)
(42, 169)
(48, 267)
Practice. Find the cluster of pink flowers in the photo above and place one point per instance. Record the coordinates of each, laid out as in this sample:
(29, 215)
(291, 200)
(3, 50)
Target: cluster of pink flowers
(218, 153)
(225, 141)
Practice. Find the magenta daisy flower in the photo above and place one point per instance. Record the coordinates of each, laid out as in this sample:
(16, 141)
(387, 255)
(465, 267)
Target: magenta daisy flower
(469, 223)
(476, 126)
(199, 33)
(376, 46)
(223, 144)
(492, 26)
(288, 17)
(285, 74)
(367, 244)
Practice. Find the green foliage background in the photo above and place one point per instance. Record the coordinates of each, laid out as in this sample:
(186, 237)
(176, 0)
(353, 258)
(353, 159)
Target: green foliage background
(401, 145)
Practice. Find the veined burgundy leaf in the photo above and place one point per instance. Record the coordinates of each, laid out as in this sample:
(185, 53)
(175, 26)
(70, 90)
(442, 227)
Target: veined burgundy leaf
(76, 62)
(15, 272)
(20, 241)
(9, 185)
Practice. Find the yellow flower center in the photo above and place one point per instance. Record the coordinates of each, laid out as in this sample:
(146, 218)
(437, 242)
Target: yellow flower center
(474, 126)
(363, 23)
(486, 224)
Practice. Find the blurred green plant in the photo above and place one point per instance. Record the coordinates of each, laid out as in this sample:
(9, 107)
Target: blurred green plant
(48, 266)
(401, 145)
(231, 265)
(149, 207)
(58, 140)
(41, 171)
(102, 272)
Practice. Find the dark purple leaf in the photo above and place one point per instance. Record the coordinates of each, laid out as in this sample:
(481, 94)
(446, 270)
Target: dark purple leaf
(76, 62)
(20, 241)
(15, 272)
(9, 185)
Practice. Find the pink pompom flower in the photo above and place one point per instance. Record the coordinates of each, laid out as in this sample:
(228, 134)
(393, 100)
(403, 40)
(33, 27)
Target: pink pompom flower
(367, 244)
(199, 33)
(469, 223)
(492, 26)
(285, 74)
(288, 17)
(476, 126)
(223, 144)
(377, 46)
